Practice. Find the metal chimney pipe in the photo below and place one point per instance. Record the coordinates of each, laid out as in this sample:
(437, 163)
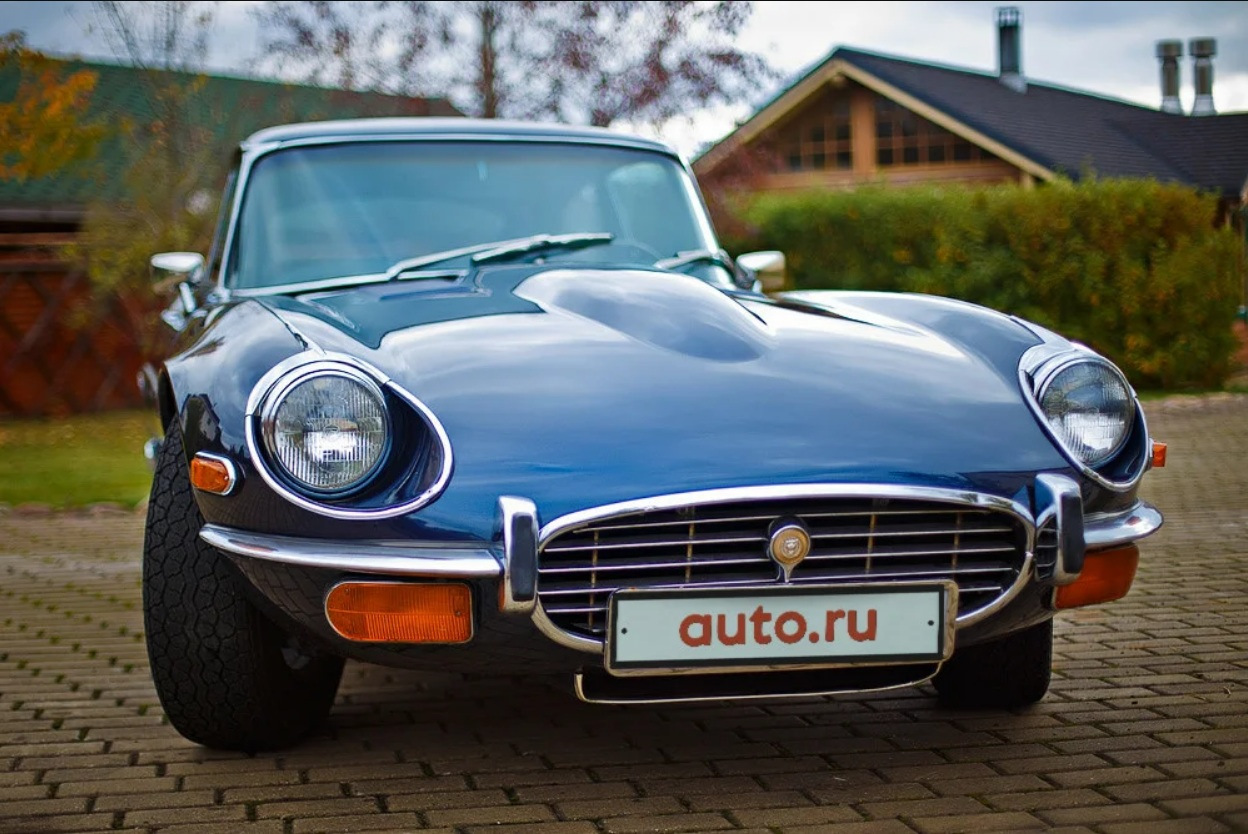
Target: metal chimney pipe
(1202, 51)
(1010, 49)
(1170, 52)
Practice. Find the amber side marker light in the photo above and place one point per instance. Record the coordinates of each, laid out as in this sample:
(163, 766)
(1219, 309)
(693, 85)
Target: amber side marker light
(1107, 575)
(1159, 454)
(210, 473)
(397, 612)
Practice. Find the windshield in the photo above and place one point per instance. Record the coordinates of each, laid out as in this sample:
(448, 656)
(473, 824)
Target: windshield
(334, 211)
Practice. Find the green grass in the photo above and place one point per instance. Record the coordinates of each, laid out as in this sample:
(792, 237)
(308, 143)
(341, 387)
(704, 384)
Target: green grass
(76, 461)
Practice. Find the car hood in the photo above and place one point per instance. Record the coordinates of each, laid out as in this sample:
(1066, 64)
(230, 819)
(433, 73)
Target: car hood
(578, 388)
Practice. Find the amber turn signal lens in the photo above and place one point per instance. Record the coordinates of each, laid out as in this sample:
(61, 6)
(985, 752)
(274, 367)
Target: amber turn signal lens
(211, 474)
(398, 612)
(1159, 454)
(1107, 575)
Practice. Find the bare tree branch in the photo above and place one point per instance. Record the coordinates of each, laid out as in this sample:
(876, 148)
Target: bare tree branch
(572, 60)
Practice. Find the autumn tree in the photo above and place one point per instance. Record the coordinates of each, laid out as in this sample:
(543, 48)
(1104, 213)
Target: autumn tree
(594, 62)
(43, 129)
(174, 162)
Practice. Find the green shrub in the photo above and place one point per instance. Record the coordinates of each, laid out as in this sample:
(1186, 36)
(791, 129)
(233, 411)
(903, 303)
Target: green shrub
(1133, 268)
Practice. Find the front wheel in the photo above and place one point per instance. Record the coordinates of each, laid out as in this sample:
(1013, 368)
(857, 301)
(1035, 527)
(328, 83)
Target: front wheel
(1009, 672)
(227, 676)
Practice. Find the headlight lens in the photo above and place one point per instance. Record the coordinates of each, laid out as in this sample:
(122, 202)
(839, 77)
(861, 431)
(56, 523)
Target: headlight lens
(1090, 409)
(327, 432)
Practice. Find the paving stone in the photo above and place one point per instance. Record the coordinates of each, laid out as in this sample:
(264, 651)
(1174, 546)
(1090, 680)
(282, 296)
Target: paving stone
(405, 823)
(1035, 800)
(171, 816)
(565, 827)
(1012, 821)
(594, 809)
(487, 815)
(809, 815)
(332, 807)
(667, 823)
(1188, 825)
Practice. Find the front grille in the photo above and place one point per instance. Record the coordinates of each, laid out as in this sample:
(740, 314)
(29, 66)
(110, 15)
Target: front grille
(852, 540)
(1046, 549)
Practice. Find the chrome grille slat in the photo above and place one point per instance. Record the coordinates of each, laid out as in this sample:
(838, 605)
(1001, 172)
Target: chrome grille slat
(611, 528)
(711, 560)
(576, 609)
(877, 553)
(854, 540)
(575, 548)
(932, 574)
(895, 513)
(808, 517)
(916, 533)
(640, 565)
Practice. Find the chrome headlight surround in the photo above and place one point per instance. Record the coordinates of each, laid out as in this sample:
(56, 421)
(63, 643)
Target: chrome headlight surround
(428, 482)
(285, 455)
(1045, 366)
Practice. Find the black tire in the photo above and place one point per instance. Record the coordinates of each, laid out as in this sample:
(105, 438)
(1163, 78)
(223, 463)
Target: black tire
(1010, 672)
(227, 676)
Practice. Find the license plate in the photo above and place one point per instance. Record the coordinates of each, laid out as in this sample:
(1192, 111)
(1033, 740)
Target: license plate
(678, 630)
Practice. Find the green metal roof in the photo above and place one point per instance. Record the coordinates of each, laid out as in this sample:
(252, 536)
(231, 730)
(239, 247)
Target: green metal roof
(228, 108)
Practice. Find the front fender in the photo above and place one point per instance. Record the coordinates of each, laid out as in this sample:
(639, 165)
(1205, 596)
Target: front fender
(205, 386)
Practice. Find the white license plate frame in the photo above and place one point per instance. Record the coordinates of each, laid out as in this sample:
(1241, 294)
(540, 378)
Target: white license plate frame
(936, 614)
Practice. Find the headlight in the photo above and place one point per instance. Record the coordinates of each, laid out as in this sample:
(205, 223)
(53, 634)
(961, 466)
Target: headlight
(327, 431)
(1090, 409)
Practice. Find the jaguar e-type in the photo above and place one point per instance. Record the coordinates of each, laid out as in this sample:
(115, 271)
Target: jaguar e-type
(489, 396)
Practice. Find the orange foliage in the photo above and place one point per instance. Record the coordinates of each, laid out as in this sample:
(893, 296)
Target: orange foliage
(42, 130)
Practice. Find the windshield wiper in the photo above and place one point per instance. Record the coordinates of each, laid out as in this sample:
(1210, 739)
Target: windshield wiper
(496, 251)
(542, 243)
(742, 279)
(413, 264)
(716, 257)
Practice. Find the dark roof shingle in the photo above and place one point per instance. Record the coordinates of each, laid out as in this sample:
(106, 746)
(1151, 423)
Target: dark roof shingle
(1064, 130)
(1070, 132)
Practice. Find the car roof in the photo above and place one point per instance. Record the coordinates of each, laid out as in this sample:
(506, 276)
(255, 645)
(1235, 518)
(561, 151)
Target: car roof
(448, 128)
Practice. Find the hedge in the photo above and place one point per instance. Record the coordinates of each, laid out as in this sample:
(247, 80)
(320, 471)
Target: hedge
(1133, 268)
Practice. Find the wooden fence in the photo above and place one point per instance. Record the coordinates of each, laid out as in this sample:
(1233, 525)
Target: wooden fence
(62, 349)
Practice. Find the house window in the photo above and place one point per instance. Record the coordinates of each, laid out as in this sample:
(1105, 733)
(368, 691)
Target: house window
(820, 139)
(905, 138)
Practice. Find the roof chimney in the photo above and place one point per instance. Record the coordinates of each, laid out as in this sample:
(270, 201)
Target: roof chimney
(1170, 52)
(1202, 51)
(1010, 49)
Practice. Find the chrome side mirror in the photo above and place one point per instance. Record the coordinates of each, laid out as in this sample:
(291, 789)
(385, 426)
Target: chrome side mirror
(169, 268)
(767, 266)
(183, 270)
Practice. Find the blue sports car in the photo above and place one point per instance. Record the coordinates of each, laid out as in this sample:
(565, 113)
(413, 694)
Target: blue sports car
(489, 396)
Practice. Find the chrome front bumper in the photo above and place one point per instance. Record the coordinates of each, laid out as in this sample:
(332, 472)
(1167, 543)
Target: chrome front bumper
(443, 560)
(512, 559)
(1101, 532)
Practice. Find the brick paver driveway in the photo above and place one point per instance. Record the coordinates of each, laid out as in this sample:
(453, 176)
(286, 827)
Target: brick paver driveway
(1146, 727)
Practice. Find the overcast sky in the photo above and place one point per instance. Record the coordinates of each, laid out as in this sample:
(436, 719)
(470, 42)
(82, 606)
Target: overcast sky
(1102, 47)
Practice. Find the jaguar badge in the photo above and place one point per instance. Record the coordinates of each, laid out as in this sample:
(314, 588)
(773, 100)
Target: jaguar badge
(789, 545)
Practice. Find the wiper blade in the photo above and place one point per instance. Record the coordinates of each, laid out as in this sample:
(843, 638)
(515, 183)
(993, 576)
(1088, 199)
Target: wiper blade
(698, 256)
(496, 250)
(413, 264)
(541, 243)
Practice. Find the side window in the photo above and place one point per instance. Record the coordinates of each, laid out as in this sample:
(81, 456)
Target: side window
(652, 206)
(223, 221)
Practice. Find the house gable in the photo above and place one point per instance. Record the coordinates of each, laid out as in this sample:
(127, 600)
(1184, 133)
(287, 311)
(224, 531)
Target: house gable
(1040, 130)
(837, 80)
(842, 133)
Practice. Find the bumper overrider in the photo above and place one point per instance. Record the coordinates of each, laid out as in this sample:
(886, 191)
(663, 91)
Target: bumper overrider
(560, 597)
